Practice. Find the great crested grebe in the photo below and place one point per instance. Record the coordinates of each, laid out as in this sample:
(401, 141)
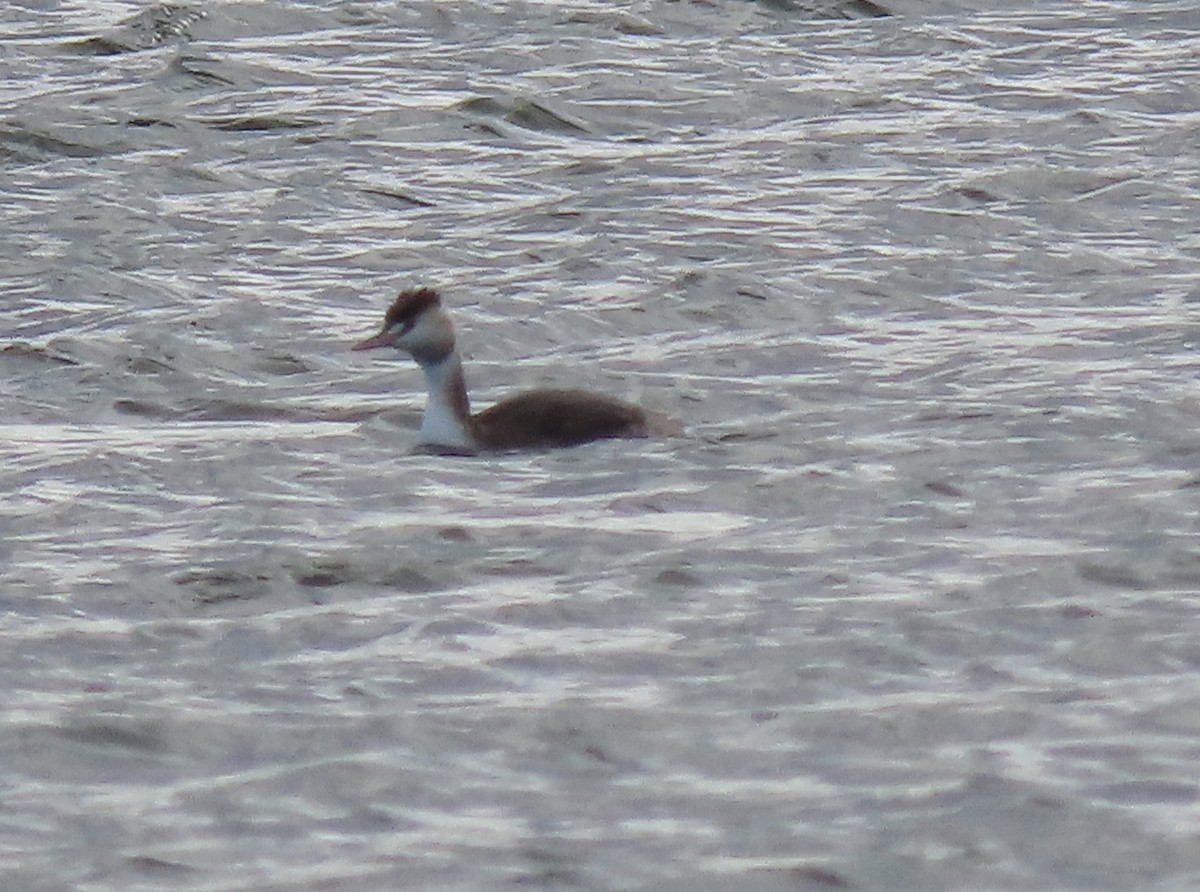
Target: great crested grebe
(538, 419)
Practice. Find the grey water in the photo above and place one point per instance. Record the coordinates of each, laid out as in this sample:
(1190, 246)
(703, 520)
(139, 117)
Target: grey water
(911, 605)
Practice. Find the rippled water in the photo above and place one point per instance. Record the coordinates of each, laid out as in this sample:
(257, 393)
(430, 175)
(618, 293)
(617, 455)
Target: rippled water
(913, 604)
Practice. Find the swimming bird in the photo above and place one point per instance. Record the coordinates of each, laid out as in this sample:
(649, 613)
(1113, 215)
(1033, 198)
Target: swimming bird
(418, 324)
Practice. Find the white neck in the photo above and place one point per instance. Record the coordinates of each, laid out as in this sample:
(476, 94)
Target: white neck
(447, 412)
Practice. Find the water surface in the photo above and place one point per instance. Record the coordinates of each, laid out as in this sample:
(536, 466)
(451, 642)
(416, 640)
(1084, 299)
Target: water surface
(912, 605)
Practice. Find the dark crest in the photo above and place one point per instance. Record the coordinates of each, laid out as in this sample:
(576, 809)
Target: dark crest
(411, 303)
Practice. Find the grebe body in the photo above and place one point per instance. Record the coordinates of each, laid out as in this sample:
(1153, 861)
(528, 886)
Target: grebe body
(417, 323)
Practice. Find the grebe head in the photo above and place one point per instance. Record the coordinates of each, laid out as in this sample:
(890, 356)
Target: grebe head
(417, 324)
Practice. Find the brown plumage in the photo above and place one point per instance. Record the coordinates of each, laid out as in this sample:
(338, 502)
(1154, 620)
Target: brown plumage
(541, 418)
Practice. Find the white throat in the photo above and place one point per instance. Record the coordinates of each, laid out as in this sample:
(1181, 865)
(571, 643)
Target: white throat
(444, 423)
